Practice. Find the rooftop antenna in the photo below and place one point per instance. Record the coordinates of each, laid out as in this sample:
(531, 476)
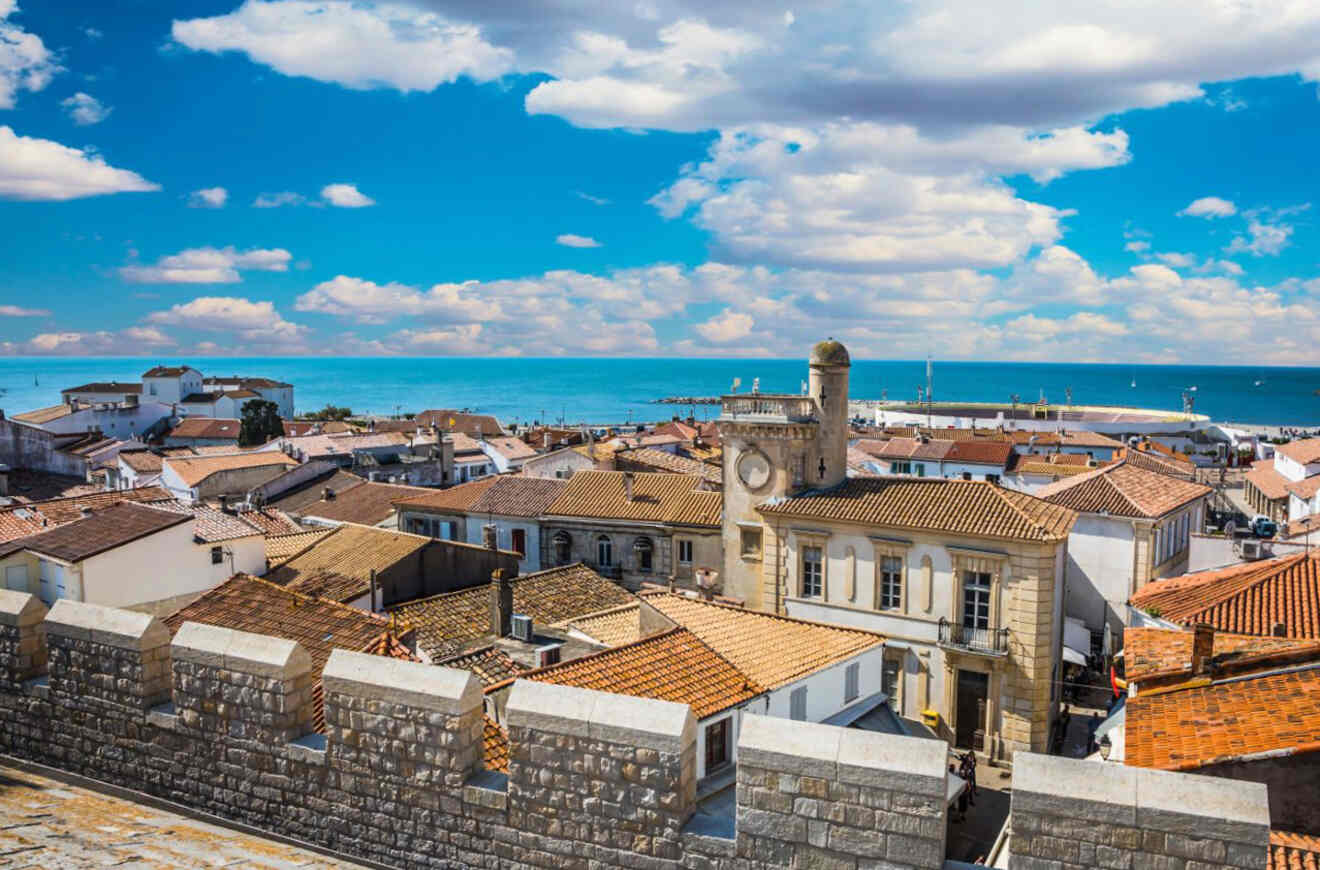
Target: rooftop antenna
(929, 394)
(737, 382)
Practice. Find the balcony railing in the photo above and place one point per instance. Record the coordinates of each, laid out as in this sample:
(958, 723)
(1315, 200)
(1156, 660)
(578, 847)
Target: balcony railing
(759, 406)
(980, 640)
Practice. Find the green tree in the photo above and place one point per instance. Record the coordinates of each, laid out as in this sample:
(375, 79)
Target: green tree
(331, 412)
(261, 422)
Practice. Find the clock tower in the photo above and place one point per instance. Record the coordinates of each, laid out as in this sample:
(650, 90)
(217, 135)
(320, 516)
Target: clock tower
(777, 445)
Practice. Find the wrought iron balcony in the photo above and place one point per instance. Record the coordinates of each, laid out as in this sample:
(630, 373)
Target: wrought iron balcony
(987, 641)
(769, 407)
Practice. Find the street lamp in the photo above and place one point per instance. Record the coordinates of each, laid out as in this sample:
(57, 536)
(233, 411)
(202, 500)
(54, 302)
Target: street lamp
(1106, 747)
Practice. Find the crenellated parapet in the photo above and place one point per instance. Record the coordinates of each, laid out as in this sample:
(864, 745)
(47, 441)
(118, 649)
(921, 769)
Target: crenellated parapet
(223, 721)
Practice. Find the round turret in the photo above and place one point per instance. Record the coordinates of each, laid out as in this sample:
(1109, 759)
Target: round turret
(830, 353)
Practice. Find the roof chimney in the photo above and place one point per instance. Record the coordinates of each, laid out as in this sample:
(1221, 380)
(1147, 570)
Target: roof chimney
(1279, 630)
(1203, 648)
(328, 494)
(628, 485)
(501, 603)
(489, 536)
(84, 511)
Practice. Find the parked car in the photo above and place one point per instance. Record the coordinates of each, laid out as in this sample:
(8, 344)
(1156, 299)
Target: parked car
(1263, 527)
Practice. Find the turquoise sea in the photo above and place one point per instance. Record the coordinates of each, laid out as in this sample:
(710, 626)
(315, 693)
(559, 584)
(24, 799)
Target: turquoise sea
(608, 390)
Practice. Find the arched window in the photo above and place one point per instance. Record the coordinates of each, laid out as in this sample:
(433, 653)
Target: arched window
(643, 549)
(563, 543)
(604, 551)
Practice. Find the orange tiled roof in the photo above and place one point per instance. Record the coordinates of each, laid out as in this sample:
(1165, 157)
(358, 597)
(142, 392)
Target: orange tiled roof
(1151, 652)
(28, 518)
(651, 459)
(339, 565)
(1272, 485)
(618, 625)
(1189, 728)
(455, 498)
(772, 650)
(490, 663)
(43, 415)
(1292, 850)
(1123, 489)
(271, 521)
(1304, 451)
(193, 471)
(205, 427)
(983, 452)
(1157, 462)
(673, 666)
(964, 507)
(1250, 598)
(282, 548)
(143, 461)
(495, 746)
(448, 622)
(657, 497)
(369, 503)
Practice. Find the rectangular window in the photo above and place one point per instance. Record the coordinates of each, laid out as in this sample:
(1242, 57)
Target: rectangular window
(891, 583)
(976, 602)
(851, 677)
(891, 682)
(520, 541)
(992, 478)
(813, 572)
(717, 745)
(797, 704)
(604, 552)
(751, 543)
(217, 555)
(900, 467)
(920, 469)
(684, 552)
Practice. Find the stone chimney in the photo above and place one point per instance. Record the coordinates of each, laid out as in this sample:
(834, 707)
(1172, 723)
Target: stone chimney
(628, 485)
(490, 536)
(1203, 648)
(501, 603)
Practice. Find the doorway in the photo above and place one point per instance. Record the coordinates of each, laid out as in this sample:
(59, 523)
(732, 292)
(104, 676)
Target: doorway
(973, 692)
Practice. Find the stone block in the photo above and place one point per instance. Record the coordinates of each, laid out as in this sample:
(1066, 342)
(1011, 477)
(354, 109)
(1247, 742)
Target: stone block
(550, 709)
(412, 684)
(20, 609)
(785, 746)
(1071, 788)
(1203, 806)
(240, 651)
(644, 723)
(122, 629)
(909, 764)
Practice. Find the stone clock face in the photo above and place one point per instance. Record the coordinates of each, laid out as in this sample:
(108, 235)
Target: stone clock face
(754, 469)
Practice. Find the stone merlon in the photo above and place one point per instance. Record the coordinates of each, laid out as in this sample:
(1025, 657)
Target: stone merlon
(426, 687)
(641, 722)
(240, 651)
(124, 629)
(21, 609)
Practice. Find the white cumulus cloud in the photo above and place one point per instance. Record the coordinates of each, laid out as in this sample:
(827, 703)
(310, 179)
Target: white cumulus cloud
(251, 321)
(276, 200)
(39, 169)
(25, 62)
(1209, 207)
(345, 196)
(84, 109)
(207, 266)
(208, 197)
(572, 240)
(19, 311)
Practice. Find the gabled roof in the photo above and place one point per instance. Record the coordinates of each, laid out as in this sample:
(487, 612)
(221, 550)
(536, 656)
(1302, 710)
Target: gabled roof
(1250, 598)
(612, 627)
(490, 663)
(270, 521)
(205, 427)
(203, 398)
(213, 526)
(1271, 484)
(448, 622)
(368, 504)
(193, 471)
(104, 530)
(932, 450)
(43, 415)
(141, 461)
(965, 507)
(673, 666)
(282, 548)
(770, 649)
(455, 499)
(167, 371)
(20, 520)
(510, 447)
(517, 496)
(982, 452)
(245, 603)
(1122, 489)
(656, 497)
(104, 387)
(1304, 451)
(651, 459)
(459, 421)
(1152, 460)
(1161, 652)
(294, 499)
(339, 566)
(1292, 850)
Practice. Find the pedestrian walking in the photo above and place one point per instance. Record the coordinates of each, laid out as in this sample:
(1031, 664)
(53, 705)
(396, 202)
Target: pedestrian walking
(969, 765)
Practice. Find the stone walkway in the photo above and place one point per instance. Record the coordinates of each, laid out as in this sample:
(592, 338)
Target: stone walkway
(49, 825)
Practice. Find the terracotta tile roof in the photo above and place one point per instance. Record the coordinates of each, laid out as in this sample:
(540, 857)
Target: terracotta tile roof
(1250, 598)
(104, 387)
(518, 496)
(212, 525)
(651, 459)
(1085, 438)
(1056, 465)
(495, 746)
(141, 461)
(29, 518)
(205, 427)
(298, 428)
(270, 521)
(871, 446)
(673, 666)
(1306, 487)
(678, 429)
(339, 565)
(1161, 652)
(282, 548)
(1157, 462)
(294, 499)
(167, 371)
(667, 498)
(1291, 850)
(1122, 489)
(245, 603)
(1189, 728)
(43, 415)
(1271, 484)
(982, 452)
(545, 438)
(1305, 451)
(858, 461)
(490, 663)
(772, 650)
(598, 452)
(345, 443)
(194, 471)
(455, 499)
(464, 445)
(104, 530)
(446, 623)
(369, 504)
(511, 448)
(965, 507)
(932, 450)
(458, 421)
(612, 627)
(203, 398)
(242, 394)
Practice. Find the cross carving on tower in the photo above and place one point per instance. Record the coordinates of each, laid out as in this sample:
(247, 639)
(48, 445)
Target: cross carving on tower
(822, 468)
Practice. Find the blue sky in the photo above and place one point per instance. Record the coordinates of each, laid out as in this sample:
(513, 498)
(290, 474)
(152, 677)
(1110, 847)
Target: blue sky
(320, 177)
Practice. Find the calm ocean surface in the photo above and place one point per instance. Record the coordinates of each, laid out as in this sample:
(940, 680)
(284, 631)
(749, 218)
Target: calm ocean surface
(606, 390)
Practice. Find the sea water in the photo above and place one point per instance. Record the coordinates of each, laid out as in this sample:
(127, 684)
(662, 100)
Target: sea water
(619, 389)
